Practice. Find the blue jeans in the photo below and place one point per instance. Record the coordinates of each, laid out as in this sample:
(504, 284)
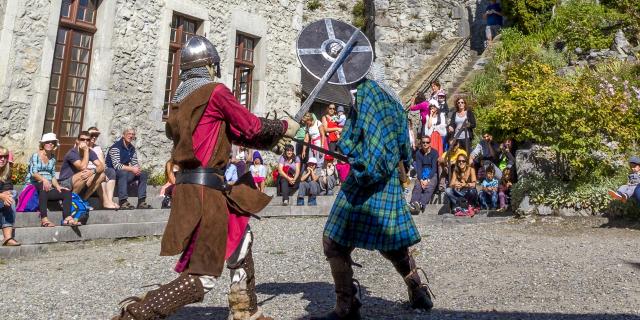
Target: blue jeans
(471, 194)
(491, 196)
(8, 213)
(124, 178)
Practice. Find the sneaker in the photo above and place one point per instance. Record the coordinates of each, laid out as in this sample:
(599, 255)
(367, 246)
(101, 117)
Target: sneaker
(618, 196)
(458, 212)
(300, 202)
(285, 202)
(312, 201)
(470, 212)
(414, 208)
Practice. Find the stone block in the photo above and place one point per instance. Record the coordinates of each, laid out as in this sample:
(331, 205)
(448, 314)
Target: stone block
(38, 235)
(22, 251)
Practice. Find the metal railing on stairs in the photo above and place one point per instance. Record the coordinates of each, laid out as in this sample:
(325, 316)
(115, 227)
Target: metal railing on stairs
(442, 67)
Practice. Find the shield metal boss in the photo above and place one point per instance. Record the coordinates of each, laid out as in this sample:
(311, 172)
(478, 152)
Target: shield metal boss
(321, 42)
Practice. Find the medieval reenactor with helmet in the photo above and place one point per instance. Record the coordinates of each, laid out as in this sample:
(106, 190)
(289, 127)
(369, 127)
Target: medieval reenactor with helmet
(209, 221)
(370, 211)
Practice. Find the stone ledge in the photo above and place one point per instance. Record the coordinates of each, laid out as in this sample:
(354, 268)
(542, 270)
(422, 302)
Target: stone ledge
(23, 251)
(38, 235)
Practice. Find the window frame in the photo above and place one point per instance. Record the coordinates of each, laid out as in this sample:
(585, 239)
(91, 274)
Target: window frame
(240, 64)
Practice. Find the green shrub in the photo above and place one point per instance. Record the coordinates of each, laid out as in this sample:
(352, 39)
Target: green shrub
(313, 5)
(528, 15)
(427, 39)
(358, 13)
(157, 179)
(19, 173)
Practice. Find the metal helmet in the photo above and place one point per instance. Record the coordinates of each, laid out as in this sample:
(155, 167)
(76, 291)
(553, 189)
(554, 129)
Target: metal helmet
(199, 52)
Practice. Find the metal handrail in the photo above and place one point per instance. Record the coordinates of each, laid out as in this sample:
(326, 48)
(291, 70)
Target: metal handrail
(442, 67)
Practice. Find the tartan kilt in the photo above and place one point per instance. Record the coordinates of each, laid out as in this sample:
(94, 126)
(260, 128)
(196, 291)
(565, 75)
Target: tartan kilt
(373, 217)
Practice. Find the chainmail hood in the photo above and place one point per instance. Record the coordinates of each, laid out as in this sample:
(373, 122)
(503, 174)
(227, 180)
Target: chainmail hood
(191, 80)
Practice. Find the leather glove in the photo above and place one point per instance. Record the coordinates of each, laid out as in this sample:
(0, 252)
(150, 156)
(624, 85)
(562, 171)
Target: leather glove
(278, 148)
(292, 128)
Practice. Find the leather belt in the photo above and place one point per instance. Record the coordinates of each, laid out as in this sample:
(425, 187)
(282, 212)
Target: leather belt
(209, 177)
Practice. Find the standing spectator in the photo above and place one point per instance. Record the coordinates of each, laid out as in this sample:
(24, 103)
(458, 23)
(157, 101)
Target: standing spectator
(166, 191)
(331, 128)
(42, 174)
(626, 191)
(288, 173)
(489, 191)
(8, 198)
(107, 187)
(440, 95)
(493, 16)
(463, 186)
(426, 169)
(328, 176)
(462, 123)
(258, 171)
(75, 173)
(301, 134)
(504, 189)
(315, 136)
(309, 185)
(420, 103)
(412, 137)
(123, 158)
(342, 118)
(436, 129)
(231, 173)
(485, 155)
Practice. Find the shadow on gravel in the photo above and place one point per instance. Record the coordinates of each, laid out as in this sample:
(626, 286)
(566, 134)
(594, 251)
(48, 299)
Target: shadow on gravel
(201, 313)
(495, 315)
(621, 223)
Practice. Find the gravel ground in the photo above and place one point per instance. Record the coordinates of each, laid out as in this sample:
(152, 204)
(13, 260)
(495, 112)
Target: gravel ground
(526, 269)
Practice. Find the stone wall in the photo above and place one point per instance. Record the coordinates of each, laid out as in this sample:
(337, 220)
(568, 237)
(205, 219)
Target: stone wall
(28, 37)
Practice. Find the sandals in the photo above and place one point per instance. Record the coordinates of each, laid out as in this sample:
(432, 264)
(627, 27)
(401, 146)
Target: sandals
(14, 244)
(126, 206)
(47, 224)
(70, 222)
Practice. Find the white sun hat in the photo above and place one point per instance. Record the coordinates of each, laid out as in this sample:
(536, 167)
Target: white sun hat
(49, 137)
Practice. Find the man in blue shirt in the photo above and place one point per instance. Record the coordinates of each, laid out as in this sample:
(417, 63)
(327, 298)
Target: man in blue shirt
(231, 174)
(75, 174)
(493, 16)
(426, 170)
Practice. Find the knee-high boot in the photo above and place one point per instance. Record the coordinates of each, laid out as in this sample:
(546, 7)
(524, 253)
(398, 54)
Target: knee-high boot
(347, 305)
(419, 293)
(164, 301)
(243, 302)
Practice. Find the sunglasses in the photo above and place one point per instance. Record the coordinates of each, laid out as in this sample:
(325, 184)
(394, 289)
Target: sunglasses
(84, 139)
(460, 102)
(4, 156)
(331, 108)
(425, 142)
(462, 161)
(50, 142)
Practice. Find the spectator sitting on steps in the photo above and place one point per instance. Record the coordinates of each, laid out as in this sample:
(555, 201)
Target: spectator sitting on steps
(288, 173)
(7, 201)
(485, 155)
(166, 191)
(626, 191)
(489, 191)
(109, 185)
(309, 185)
(258, 171)
(426, 171)
(42, 174)
(231, 173)
(463, 187)
(328, 176)
(75, 173)
(123, 158)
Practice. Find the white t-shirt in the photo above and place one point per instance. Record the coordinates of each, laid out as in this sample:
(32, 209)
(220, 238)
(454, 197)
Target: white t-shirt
(258, 171)
(314, 133)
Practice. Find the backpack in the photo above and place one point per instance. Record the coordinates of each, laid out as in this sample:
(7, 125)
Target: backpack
(28, 199)
(79, 209)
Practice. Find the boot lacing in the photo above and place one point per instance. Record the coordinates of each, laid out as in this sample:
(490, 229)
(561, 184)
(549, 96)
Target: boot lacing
(424, 284)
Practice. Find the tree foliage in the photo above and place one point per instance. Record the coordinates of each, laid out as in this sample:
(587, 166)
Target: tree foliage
(528, 15)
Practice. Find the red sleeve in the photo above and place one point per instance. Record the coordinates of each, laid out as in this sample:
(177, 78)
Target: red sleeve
(240, 120)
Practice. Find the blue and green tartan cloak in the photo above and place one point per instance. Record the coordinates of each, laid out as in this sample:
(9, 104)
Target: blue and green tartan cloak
(370, 210)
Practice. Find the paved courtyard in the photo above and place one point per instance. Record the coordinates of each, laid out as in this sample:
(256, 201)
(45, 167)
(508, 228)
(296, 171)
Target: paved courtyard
(488, 269)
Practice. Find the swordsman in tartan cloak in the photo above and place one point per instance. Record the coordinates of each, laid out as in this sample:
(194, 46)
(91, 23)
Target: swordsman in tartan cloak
(209, 221)
(370, 211)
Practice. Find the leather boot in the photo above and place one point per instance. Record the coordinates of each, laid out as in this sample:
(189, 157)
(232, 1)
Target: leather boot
(164, 301)
(243, 302)
(419, 293)
(347, 305)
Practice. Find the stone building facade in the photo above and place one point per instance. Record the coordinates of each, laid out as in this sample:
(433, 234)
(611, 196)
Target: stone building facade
(128, 57)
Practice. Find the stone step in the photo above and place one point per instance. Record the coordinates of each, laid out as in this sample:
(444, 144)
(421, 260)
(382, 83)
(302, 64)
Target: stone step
(32, 219)
(23, 251)
(38, 235)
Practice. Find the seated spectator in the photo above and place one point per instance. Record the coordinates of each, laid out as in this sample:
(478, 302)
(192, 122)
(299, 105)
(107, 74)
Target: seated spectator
(241, 160)
(343, 169)
(108, 186)
(315, 135)
(626, 191)
(258, 171)
(489, 191)
(461, 124)
(288, 173)
(328, 176)
(42, 174)
(75, 173)
(504, 189)
(166, 191)
(485, 155)
(231, 173)
(8, 198)
(426, 170)
(331, 128)
(123, 158)
(436, 128)
(506, 158)
(309, 185)
(463, 186)
(420, 103)
(448, 160)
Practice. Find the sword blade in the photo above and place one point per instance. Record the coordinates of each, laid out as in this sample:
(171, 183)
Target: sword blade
(336, 155)
(334, 67)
